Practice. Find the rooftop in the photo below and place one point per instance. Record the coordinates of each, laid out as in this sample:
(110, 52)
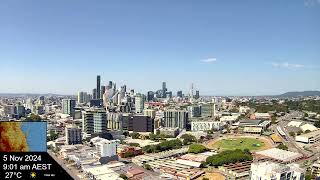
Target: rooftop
(311, 134)
(279, 154)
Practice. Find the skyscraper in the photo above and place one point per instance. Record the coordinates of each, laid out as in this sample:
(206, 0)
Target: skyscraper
(197, 96)
(82, 97)
(164, 89)
(191, 91)
(100, 122)
(208, 110)
(94, 93)
(139, 103)
(68, 106)
(110, 85)
(150, 96)
(98, 92)
(179, 94)
(103, 90)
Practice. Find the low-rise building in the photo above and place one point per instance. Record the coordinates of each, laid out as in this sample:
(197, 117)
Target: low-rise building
(240, 170)
(308, 127)
(265, 116)
(315, 169)
(309, 138)
(174, 132)
(100, 173)
(278, 155)
(205, 125)
(275, 171)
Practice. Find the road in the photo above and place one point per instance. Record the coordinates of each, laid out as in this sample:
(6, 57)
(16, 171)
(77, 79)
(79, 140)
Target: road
(291, 143)
(63, 165)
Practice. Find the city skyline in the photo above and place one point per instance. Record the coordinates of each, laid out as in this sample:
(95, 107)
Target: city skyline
(223, 48)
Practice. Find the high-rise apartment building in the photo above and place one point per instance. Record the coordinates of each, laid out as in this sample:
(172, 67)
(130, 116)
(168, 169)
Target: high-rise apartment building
(73, 135)
(100, 122)
(139, 103)
(175, 118)
(82, 97)
(94, 121)
(68, 106)
(208, 110)
(194, 111)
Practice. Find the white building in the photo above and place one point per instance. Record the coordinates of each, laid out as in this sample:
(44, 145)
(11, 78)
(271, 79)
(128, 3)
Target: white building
(244, 109)
(309, 138)
(73, 135)
(274, 171)
(107, 148)
(139, 103)
(205, 125)
(150, 112)
(265, 116)
(309, 127)
(280, 155)
(295, 123)
(229, 119)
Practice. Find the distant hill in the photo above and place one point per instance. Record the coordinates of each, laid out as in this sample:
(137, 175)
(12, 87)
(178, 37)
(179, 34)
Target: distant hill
(301, 93)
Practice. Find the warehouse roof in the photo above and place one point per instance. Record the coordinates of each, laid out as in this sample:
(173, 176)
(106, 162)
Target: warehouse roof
(280, 155)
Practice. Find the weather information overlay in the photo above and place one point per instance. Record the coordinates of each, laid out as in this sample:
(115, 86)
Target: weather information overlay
(23, 152)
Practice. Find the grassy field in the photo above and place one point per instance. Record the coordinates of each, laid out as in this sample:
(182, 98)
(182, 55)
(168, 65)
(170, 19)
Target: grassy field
(239, 143)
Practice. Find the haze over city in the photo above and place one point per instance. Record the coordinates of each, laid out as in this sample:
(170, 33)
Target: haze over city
(224, 48)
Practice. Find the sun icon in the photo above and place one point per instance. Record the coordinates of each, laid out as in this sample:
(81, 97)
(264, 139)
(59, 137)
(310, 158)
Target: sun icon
(33, 174)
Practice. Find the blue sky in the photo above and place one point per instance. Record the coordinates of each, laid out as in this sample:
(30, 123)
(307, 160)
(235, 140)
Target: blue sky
(249, 47)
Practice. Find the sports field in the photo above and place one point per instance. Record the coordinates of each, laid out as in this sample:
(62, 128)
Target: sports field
(238, 143)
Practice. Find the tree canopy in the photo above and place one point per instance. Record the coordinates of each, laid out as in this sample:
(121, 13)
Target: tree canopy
(33, 117)
(163, 146)
(188, 139)
(282, 146)
(197, 148)
(227, 157)
(134, 135)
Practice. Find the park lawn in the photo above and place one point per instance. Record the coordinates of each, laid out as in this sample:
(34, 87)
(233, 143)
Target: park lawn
(239, 143)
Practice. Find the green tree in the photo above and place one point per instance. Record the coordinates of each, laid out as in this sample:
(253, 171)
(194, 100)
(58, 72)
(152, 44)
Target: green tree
(197, 148)
(163, 146)
(188, 139)
(128, 154)
(282, 146)
(134, 135)
(227, 157)
(134, 144)
(299, 132)
(123, 176)
(147, 167)
(52, 136)
(308, 175)
(317, 124)
(307, 131)
(292, 134)
(33, 117)
(274, 120)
